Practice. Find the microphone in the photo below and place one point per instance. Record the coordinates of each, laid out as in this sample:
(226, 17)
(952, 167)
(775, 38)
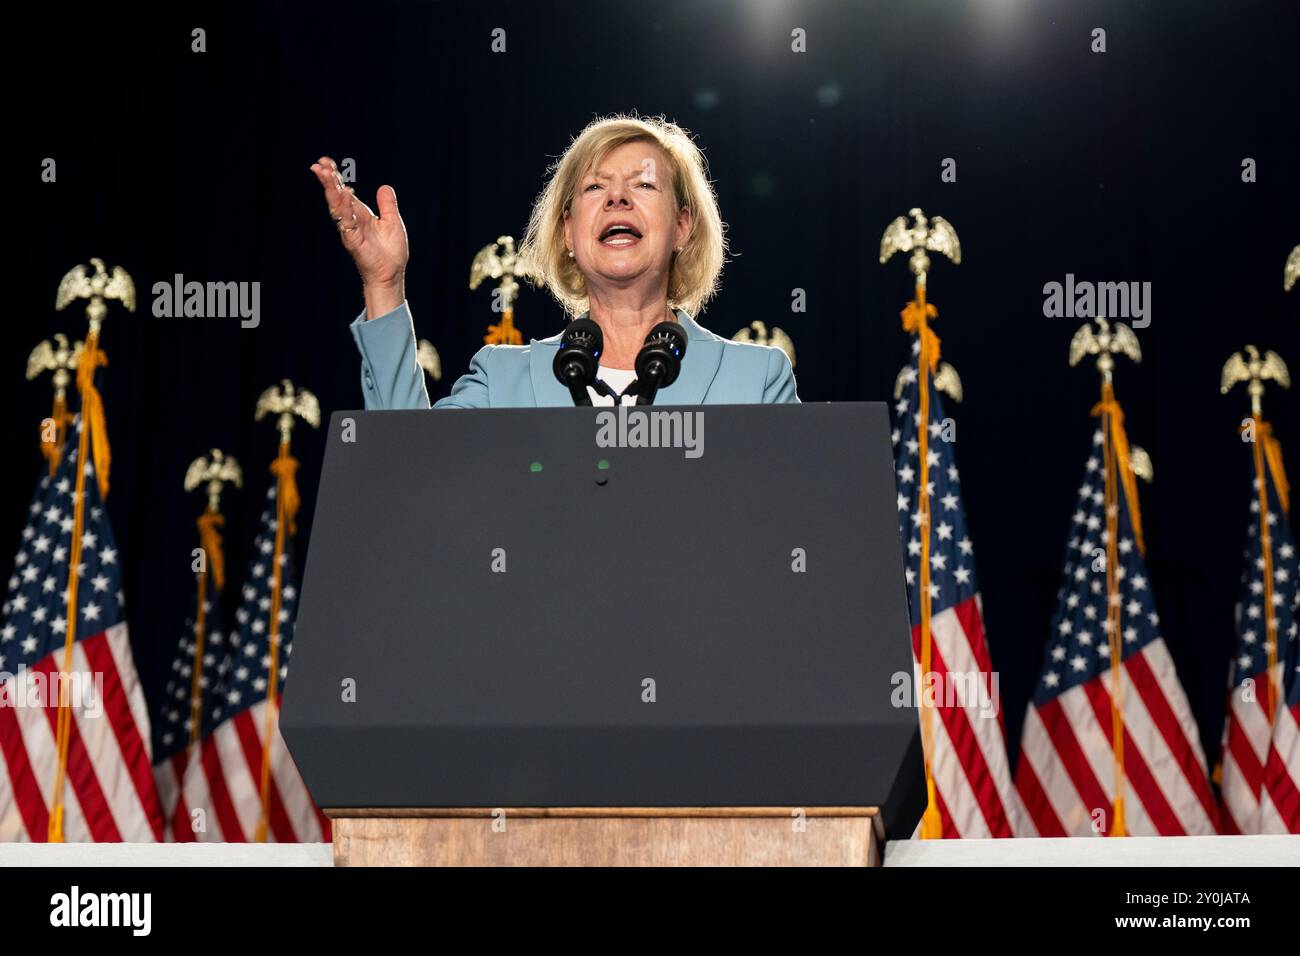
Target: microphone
(578, 359)
(660, 360)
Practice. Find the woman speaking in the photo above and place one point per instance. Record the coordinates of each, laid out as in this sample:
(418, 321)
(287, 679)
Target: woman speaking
(626, 233)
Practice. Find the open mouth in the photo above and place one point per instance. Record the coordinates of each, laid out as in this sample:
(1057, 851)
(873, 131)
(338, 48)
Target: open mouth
(620, 234)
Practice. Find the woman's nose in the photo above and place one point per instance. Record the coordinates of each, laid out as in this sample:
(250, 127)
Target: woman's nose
(616, 196)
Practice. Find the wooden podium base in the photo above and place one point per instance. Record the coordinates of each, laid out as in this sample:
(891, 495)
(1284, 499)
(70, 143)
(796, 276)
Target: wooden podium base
(609, 836)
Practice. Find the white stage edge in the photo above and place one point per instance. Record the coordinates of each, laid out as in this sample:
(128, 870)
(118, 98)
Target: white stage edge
(1082, 851)
(1134, 851)
(166, 854)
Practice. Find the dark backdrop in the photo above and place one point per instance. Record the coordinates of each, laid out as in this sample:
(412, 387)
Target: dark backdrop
(1117, 166)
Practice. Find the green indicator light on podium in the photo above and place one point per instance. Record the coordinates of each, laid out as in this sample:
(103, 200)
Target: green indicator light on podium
(535, 467)
(603, 465)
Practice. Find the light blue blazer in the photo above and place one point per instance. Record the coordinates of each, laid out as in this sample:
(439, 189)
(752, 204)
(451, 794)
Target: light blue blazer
(715, 371)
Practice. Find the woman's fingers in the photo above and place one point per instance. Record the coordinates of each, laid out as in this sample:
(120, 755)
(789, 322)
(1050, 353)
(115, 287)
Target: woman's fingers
(328, 175)
(358, 215)
(376, 243)
(349, 213)
(337, 196)
(386, 200)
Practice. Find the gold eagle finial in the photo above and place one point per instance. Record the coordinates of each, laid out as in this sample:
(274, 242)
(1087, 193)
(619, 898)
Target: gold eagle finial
(286, 401)
(506, 265)
(935, 235)
(1108, 342)
(758, 333)
(77, 284)
(57, 357)
(214, 469)
(1291, 271)
(1254, 370)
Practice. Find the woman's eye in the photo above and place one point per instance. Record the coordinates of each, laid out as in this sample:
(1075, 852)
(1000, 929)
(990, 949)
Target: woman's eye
(646, 182)
(592, 186)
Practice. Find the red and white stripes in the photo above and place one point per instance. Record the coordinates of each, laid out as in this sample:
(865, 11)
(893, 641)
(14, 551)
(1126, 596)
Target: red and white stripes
(109, 793)
(1066, 772)
(969, 761)
(220, 794)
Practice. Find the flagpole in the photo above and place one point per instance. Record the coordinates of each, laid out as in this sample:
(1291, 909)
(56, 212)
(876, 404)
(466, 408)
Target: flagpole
(1118, 826)
(61, 360)
(916, 314)
(935, 235)
(287, 402)
(1118, 467)
(93, 436)
(1266, 551)
(54, 832)
(1266, 454)
(213, 471)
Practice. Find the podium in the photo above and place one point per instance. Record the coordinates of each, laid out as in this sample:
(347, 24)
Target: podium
(527, 638)
(610, 836)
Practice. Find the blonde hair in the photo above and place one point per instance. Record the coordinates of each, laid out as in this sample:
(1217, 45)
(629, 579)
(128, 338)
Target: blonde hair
(693, 275)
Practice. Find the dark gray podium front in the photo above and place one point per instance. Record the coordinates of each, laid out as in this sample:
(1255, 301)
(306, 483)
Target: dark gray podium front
(502, 615)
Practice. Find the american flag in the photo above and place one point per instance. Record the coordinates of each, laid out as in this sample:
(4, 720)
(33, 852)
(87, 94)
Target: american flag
(969, 763)
(109, 792)
(172, 718)
(1279, 810)
(227, 776)
(1259, 757)
(1066, 772)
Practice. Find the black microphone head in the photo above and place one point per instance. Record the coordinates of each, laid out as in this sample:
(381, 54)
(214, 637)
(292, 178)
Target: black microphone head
(578, 358)
(671, 334)
(660, 360)
(584, 334)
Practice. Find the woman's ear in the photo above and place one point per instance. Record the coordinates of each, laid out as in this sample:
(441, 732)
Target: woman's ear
(568, 233)
(684, 222)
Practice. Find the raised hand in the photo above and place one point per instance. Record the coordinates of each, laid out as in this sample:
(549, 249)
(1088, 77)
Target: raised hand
(377, 244)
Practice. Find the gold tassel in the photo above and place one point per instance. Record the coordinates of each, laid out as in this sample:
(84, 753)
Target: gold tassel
(285, 469)
(92, 409)
(210, 542)
(53, 450)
